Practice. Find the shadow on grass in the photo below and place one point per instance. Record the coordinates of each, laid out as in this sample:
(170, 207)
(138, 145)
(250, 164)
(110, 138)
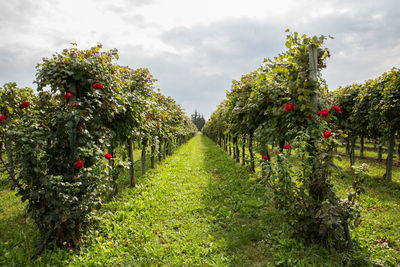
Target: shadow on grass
(240, 208)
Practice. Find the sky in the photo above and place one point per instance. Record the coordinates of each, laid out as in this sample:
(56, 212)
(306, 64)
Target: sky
(196, 48)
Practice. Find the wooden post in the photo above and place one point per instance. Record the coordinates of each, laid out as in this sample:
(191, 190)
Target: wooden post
(169, 147)
(229, 145)
(233, 148)
(131, 163)
(398, 150)
(313, 75)
(159, 150)
(252, 167)
(153, 152)
(380, 146)
(164, 148)
(144, 144)
(244, 150)
(389, 159)
(236, 149)
(313, 61)
(352, 157)
(362, 146)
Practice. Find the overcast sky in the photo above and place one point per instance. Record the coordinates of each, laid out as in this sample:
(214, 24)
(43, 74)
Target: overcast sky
(195, 48)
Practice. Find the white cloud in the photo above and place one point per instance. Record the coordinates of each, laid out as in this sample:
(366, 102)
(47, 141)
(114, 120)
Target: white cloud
(195, 48)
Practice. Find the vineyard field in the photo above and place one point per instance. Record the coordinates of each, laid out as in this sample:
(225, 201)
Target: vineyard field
(99, 168)
(199, 207)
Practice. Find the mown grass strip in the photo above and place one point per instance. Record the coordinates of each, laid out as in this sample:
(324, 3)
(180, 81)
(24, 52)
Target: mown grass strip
(197, 209)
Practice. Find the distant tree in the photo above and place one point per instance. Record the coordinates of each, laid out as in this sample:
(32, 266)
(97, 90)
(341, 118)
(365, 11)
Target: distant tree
(198, 120)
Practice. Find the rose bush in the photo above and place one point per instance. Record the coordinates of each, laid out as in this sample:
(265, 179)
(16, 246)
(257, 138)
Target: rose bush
(303, 190)
(91, 106)
(59, 164)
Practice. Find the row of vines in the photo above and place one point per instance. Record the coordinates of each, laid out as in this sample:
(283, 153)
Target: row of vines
(65, 145)
(371, 110)
(285, 104)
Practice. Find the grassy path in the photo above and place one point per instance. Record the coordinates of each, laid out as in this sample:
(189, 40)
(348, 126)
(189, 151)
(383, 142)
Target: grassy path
(198, 208)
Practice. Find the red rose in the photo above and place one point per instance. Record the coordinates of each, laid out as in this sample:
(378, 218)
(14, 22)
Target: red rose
(327, 134)
(23, 105)
(287, 146)
(79, 164)
(289, 107)
(265, 158)
(337, 109)
(40, 125)
(108, 156)
(324, 113)
(2, 119)
(67, 96)
(97, 86)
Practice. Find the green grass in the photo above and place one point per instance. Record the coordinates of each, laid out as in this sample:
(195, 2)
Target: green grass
(200, 208)
(380, 226)
(19, 237)
(197, 209)
(16, 232)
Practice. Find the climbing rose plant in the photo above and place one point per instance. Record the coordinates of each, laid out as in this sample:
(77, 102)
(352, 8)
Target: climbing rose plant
(57, 147)
(286, 104)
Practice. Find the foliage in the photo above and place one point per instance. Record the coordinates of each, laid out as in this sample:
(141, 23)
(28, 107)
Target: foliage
(285, 103)
(371, 110)
(48, 143)
(11, 97)
(86, 106)
(218, 198)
